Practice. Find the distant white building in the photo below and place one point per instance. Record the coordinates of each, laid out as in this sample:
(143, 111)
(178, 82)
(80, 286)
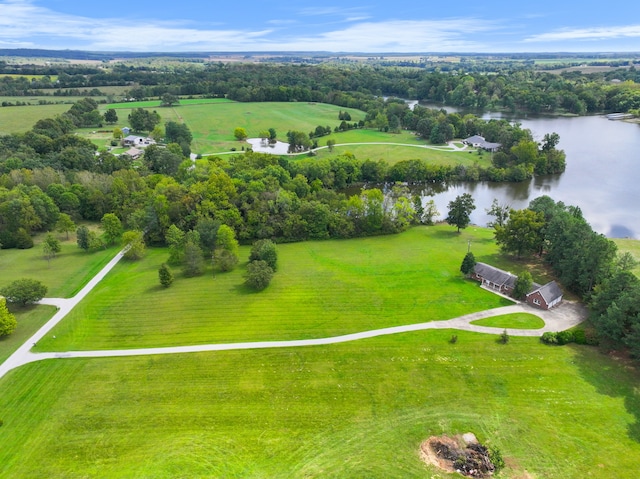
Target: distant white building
(137, 141)
(478, 141)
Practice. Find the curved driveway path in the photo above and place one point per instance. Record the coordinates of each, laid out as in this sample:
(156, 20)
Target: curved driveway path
(564, 316)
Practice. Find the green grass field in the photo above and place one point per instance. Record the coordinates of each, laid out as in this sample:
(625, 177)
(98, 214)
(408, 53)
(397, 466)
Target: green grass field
(212, 122)
(352, 410)
(30, 319)
(512, 321)
(18, 119)
(64, 275)
(632, 246)
(321, 289)
(358, 409)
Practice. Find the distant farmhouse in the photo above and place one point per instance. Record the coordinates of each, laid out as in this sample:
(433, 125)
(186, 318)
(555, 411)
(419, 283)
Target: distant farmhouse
(543, 297)
(478, 141)
(137, 141)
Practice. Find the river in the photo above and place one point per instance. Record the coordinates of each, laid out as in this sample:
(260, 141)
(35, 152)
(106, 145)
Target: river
(602, 175)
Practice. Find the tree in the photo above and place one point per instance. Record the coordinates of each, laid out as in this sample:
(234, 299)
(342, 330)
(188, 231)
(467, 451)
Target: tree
(499, 212)
(330, 144)
(50, 247)
(24, 291)
(522, 232)
(468, 264)
(226, 248)
(177, 133)
(111, 227)
(117, 133)
(165, 275)
(65, 224)
(8, 321)
(83, 237)
(240, 134)
(430, 213)
(258, 275)
(523, 285)
(265, 250)
(168, 100)
(110, 116)
(193, 264)
(143, 120)
(460, 210)
(133, 241)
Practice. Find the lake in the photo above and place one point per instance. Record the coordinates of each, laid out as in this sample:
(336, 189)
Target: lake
(602, 175)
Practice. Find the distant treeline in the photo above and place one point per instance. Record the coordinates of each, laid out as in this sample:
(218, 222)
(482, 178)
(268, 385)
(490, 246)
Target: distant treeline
(516, 88)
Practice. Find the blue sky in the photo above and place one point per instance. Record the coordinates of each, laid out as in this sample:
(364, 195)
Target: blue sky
(273, 25)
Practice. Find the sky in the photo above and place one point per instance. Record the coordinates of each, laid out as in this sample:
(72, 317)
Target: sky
(407, 26)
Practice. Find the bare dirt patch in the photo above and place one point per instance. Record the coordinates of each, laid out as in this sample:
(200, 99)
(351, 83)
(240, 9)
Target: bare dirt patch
(460, 453)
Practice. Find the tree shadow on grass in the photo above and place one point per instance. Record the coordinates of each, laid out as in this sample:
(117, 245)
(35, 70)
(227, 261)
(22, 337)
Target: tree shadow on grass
(612, 376)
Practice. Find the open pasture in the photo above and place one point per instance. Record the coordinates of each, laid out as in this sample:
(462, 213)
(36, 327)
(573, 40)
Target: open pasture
(321, 288)
(352, 410)
(18, 119)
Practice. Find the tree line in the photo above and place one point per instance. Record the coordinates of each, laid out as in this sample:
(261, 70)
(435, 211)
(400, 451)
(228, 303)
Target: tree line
(514, 89)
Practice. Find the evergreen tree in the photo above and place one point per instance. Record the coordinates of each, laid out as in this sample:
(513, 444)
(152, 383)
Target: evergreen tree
(468, 263)
(165, 275)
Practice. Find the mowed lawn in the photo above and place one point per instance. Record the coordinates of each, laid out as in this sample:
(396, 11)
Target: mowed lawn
(321, 289)
(30, 319)
(64, 275)
(631, 246)
(351, 410)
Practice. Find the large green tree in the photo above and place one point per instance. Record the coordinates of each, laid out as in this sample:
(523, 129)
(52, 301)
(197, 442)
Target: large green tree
(24, 291)
(143, 120)
(133, 241)
(460, 211)
(111, 228)
(522, 233)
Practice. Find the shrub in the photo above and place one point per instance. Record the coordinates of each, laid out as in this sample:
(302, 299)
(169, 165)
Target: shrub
(565, 337)
(549, 338)
(579, 336)
(504, 337)
(454, 339)
(495, 456)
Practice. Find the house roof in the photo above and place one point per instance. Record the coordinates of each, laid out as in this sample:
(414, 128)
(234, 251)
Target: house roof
(133, 152)
(550, 292)
(474, 139)
(481, 142)
(133, 138)
(495, 275)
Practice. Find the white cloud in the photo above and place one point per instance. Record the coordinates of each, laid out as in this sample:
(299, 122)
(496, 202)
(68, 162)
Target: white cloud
(596, 33)
(22, 23)
(394, 36)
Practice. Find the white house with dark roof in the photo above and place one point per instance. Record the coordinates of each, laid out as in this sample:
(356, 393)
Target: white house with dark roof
(478, 141)
(137, 141)
(545, 297)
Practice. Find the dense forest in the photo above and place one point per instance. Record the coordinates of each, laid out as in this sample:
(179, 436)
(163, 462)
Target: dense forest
(515, 88)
